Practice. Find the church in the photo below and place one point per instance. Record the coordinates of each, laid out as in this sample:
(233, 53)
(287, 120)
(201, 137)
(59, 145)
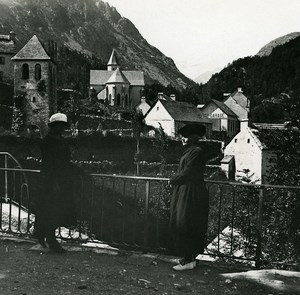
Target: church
(116, 87)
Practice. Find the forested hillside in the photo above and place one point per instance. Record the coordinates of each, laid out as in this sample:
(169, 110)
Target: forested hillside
(272, 83)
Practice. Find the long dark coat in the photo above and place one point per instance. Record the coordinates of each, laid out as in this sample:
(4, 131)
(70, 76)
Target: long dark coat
(56, 204)
(190, 203)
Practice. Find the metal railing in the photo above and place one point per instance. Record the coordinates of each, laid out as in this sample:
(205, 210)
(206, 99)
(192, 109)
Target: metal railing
(133, 212)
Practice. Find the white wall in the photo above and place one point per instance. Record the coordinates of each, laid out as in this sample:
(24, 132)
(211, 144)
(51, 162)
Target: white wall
(247, 152)
(158, 114)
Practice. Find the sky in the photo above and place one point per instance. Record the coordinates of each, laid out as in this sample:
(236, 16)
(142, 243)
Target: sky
(206, 35)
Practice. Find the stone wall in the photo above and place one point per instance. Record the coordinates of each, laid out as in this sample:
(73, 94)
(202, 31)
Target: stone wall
(39, 96)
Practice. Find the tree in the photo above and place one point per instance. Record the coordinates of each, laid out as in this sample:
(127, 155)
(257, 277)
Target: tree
(138, 127)
(161, 142)
(282, 207)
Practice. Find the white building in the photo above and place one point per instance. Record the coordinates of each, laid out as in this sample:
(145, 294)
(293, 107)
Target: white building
(172, 115)
(143, 106)
(222, 117)
(228, 114)
(251, 156)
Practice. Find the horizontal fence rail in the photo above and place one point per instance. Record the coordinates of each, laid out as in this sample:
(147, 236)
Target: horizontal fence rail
(133, 213)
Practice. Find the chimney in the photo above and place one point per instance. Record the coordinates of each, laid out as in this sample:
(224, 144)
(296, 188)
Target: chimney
(240, 90)
(173, 97)
(143, 99)
(160, 95)
(244, 124)
(12, 36)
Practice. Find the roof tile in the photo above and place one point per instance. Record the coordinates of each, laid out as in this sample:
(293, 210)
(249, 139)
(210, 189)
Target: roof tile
(33, 49)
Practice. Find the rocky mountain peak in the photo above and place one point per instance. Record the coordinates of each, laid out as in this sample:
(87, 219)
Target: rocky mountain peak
(91, 27)
(267, 49)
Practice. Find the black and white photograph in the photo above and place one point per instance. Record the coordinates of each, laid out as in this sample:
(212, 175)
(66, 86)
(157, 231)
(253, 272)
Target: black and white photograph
(149, 147)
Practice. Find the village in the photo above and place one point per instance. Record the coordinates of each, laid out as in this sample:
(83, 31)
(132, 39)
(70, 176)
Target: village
(33, 73)
(134, 202)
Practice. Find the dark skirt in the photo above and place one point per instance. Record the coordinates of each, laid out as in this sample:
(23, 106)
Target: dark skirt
(56, 205)
(189, 217)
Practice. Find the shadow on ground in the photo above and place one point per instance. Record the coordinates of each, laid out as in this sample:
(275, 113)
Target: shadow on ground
(33, 272)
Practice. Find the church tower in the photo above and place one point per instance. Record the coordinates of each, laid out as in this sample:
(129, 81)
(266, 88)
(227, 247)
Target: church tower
(117, 90)
(35, 85)
(113, 63)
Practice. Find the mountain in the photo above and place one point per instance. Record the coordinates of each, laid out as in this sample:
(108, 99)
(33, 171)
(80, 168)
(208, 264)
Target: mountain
(204, 77)
(92, 28)
(267, 49)
(271, 82)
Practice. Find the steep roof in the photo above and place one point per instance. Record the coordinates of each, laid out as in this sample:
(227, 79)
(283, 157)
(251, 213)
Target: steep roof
(117, 77)
(259, 131)
(135, 78)
(7, 45)
(113, 60)
(101, 95)
(33, 50)
(100, 77)
(224, 108)
(183, 111)
(239, 97)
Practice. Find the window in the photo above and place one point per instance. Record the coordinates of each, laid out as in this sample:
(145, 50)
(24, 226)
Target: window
(37, 72)
(33, 99)
(106, 93)
(248, 140)
(235, 140)
(2, 60)
(25, 71)
(126, 100)
(118, 99)
(1, 76)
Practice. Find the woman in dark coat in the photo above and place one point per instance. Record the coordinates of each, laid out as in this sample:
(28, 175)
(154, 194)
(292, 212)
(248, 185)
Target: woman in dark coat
(56, 204)
(190, 201)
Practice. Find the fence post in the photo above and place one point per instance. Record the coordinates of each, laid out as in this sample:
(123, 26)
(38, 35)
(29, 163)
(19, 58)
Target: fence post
(146, 238)
(259, 229)
(5, 179)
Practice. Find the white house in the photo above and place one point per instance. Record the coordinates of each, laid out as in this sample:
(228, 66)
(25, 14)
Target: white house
(228, 114)
(222, 117)
(143, 106)
(251, 156)
(172, 115)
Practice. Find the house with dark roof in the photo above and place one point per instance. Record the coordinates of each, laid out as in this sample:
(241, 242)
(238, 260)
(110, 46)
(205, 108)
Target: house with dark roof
(116, 87)
(230, 113)
(172, 115)
(7, 51)
(35, 85)
(222, 117)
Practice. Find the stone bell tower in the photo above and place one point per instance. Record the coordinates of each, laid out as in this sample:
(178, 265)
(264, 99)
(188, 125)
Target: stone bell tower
(35, 85)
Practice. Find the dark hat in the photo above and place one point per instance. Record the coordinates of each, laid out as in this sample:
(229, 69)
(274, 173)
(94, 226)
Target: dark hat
(192, 129)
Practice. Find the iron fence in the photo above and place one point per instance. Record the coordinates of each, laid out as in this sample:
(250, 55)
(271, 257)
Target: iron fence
(245, 220)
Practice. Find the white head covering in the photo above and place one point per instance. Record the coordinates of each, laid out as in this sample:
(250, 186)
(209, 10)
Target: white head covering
(58, 117)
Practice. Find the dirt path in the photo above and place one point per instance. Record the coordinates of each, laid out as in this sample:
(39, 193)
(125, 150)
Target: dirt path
(26, 272)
